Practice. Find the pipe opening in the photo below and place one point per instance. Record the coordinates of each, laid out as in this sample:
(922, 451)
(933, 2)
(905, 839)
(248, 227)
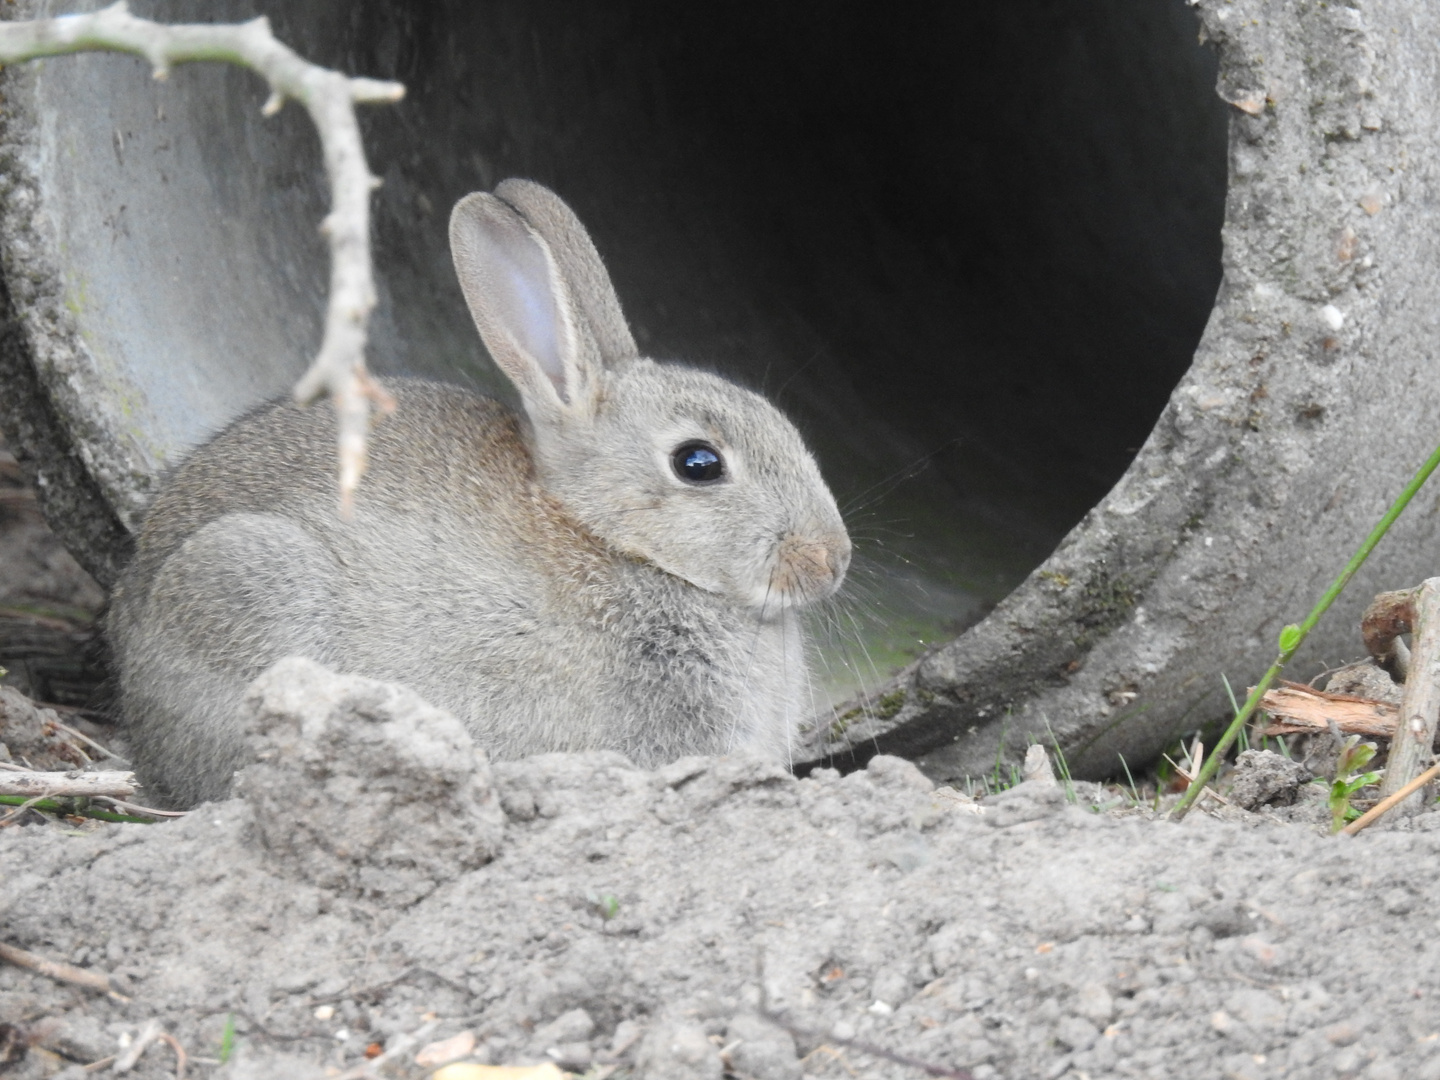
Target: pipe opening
(970, 249)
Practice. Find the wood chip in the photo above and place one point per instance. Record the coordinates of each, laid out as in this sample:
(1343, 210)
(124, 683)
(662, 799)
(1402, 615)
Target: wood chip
(1297, 708)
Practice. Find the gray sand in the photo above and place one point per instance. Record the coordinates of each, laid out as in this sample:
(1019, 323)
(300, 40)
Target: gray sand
(653, 920)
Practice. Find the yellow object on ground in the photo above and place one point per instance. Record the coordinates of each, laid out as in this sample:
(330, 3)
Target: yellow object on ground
(461, 1071)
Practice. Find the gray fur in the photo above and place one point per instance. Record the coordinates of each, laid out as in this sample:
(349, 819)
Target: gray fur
(548, 578)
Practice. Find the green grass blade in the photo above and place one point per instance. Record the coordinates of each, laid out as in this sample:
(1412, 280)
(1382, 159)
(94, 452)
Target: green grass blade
(1292, 637)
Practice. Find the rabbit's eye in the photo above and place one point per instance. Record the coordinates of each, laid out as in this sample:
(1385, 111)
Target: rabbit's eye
(698, 462)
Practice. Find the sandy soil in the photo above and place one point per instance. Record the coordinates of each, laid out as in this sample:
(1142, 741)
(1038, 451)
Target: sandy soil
(376, 882)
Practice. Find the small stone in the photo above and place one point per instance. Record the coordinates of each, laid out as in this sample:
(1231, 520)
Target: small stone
(80, 1038)
(627, 1034)
(1077, 1033)
(679, 1051)
(573, 1057)
(889, 771)
(762, 1050)
(1036, 768)
(573, 1026)
(1094, 1002)
(1342, 1034)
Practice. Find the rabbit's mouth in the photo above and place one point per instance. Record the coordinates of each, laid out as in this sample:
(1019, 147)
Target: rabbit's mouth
(804, 571)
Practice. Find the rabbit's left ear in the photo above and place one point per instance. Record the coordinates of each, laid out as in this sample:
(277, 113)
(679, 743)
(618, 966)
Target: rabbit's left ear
(521, 304)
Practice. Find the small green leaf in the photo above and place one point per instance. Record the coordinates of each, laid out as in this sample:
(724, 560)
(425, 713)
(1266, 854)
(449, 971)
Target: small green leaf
(1289, 638)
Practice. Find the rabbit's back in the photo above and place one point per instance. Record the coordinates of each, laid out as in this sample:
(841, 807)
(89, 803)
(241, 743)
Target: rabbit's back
(457, 574)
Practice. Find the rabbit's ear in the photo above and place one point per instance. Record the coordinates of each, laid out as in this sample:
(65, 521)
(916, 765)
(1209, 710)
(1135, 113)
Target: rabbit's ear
(522, 307)
(580, 266)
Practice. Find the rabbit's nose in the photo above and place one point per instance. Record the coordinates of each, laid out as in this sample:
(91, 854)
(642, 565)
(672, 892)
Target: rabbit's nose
(808, 569)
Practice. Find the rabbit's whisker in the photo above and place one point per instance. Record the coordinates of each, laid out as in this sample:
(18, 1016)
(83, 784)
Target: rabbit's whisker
(863, 499)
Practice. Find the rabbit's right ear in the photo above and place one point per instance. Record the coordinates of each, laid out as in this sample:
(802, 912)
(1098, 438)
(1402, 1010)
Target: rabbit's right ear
(522, 306)
(579, 264)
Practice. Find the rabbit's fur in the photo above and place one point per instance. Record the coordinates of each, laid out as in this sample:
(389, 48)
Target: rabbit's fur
(550, 577)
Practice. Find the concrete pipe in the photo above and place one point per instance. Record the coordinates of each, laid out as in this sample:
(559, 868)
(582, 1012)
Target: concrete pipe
(975, 251)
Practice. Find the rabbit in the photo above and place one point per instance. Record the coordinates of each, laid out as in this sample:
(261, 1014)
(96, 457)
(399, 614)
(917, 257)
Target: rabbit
(621, 565)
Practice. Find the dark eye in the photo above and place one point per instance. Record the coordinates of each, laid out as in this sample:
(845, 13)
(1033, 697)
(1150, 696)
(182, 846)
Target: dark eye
(698, 462)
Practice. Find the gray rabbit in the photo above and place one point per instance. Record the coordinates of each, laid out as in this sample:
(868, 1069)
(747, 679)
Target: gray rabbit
(620, 567)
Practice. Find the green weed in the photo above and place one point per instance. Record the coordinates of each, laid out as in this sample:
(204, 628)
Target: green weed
(1350, 777)
(1061, 764)
(1134, 791)
(227, 1039)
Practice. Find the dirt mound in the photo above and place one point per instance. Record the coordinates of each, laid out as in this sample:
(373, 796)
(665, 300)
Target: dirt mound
(715, 915)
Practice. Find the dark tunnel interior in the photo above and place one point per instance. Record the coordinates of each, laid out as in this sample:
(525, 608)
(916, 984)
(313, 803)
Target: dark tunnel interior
(970, 248)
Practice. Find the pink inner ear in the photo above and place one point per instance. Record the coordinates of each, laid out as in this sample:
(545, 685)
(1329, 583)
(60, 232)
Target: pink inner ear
(526, 304)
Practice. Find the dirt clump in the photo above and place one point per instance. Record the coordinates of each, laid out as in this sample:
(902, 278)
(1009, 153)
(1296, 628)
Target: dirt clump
(377, 884)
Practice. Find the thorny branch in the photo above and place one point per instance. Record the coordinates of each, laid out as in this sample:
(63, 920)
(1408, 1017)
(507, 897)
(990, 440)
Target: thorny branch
(330, 98)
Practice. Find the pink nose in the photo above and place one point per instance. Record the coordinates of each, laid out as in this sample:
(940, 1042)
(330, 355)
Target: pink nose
(811, 569)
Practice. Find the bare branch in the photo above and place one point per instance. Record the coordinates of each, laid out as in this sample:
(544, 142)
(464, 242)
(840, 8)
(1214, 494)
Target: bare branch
(54, 969)
(67, 785)
(1410, 752)
(330, 98)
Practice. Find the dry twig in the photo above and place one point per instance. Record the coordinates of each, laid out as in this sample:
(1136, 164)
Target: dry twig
(1420, 706)
(1196, 762)
(330, 99)
(54, 969)
(151, 1032)
(136, 808)
(180, 1059)
(80, 735)
(67, 784)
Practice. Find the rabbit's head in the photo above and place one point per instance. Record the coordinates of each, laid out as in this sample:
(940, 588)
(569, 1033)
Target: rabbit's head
(674, 466)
